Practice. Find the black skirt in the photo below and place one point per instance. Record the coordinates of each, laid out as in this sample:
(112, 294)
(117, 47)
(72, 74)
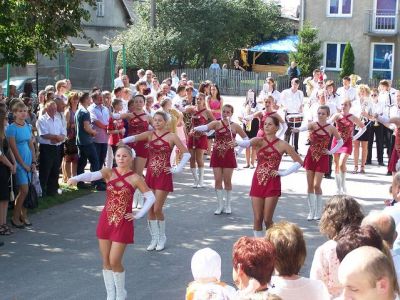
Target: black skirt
(4, 183)
(255, 124)
(365, 136)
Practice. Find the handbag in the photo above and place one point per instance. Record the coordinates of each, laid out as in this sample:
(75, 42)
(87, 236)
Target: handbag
(32, 200)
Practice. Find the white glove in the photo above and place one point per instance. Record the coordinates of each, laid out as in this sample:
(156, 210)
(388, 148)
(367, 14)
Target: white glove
(148, 203)
(182, 163)
(397, 164)
(383, 119)
(245, 143)
(359, 133)
(336, 148)
(201, 128)
(116, 116)
(249, 117)
(302, 128)
(282, 129)
(129, 139)
(88, 177)
(293, 168)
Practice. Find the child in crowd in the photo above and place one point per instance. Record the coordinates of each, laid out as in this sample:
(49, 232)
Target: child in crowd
(206, 270)
(115, 128)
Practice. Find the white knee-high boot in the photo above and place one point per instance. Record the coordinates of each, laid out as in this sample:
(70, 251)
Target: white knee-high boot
(201, 177)
(338, 180)
(343, 182)
(154, 232)
(318, 207)
(220, 202)
(162, 239)
(119, 279)
(258, 233)
(195, 176)
(109, 283)
(311, 206)
(227, 209)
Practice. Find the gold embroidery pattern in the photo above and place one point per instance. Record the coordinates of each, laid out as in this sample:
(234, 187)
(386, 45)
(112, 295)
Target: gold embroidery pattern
(319, 143)
(222, 142)
(345, 128)
(159, 159)
(117, 201)
(267, 161)
(137, 126)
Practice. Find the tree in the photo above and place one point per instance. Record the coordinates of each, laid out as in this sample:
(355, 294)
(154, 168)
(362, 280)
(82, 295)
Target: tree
(215, 28)
(347, 61)
(307, 56)
(27, 26)
(146, 47)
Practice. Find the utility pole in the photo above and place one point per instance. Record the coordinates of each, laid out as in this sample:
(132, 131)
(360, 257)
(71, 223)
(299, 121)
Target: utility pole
(153, 13)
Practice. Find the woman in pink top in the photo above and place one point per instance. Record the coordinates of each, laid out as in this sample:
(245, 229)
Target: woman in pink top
(340, 211)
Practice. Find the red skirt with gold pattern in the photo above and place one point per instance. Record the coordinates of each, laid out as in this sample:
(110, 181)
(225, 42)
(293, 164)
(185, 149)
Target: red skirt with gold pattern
(321, 165)
(270, 188)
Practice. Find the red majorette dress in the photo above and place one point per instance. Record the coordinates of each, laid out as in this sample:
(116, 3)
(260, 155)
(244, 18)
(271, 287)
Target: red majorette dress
(198, 140)
(158, 162)
(223, 155)
(138, 125)
(345, 128)
(395, 153)
(316, 160)
(264, 184)
(112, 223)
(264, 116)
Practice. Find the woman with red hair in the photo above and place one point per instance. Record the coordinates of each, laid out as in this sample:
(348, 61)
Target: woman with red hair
(253, 264)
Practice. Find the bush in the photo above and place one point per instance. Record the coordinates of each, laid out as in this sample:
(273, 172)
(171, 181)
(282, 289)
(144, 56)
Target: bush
(347, 61)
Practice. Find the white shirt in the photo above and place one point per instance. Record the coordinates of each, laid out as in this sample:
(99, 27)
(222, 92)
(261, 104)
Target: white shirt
(265, 93)
(301, 288)
(118, 82)
(48, 125)
(357, 107)
(349, 93)
(292, 101)
(389, 101)
(99, 113)
(377, 107)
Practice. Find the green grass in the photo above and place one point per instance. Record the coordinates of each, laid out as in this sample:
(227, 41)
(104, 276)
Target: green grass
(69, 193)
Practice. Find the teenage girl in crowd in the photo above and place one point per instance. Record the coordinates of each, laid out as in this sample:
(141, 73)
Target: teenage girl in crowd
(223, 158)
(317, 159)
(344, 122)
(115, 229)
(197, 141)
(159, 172)
(266, 185)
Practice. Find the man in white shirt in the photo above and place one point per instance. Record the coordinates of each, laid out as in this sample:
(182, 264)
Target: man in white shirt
(149, 78)
(127, 84)
(99, 117)
(51, 134)
(346, 91)
(292, 102)
(386, 97)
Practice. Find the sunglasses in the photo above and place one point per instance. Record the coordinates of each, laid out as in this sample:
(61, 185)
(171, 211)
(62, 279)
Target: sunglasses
(374, 95)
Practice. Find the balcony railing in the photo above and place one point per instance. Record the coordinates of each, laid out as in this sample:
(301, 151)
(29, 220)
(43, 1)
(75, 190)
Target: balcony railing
(381, 22)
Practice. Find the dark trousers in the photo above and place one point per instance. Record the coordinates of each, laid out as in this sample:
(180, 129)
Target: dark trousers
(49, 168)
(388, 140)
(378, 132)
(85, 153)
(101, 150)
(288, 133)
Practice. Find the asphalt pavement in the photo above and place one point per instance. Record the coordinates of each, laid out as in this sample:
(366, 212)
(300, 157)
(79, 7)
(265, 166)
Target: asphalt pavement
(58, 257)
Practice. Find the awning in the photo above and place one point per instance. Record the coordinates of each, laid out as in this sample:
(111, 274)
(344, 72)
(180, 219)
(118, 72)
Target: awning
(285, 45)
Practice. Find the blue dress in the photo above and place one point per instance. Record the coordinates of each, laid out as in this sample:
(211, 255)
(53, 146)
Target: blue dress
(22, 135)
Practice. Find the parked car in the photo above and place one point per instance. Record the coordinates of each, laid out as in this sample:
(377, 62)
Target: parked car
(19, 82)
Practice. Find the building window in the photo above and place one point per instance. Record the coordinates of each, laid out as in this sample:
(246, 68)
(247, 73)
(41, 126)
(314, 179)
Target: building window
(333, 55)
(100, 8)
(382, 60)
(340, 8)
